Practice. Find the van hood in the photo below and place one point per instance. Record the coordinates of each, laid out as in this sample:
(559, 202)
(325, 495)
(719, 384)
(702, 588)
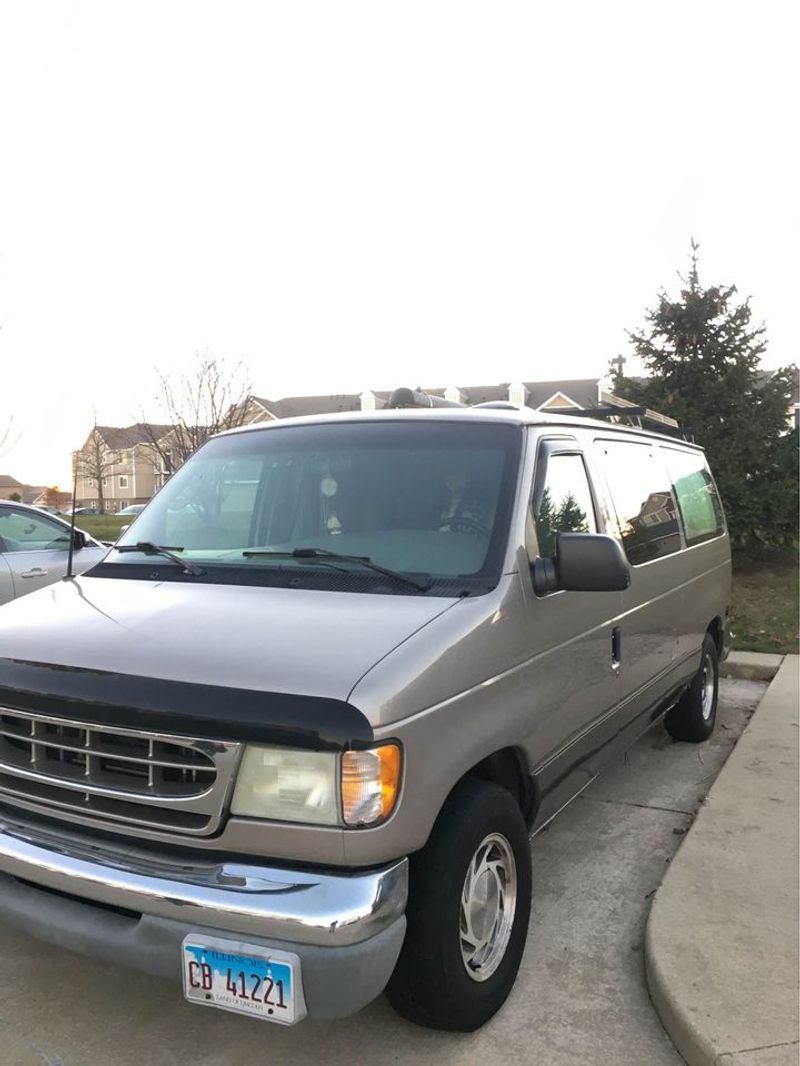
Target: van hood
(299, 642)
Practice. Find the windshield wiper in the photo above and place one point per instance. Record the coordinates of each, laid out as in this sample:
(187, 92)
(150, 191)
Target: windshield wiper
(147, 547)
(322, 554)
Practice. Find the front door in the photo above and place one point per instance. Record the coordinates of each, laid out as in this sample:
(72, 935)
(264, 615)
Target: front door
(35, 548)
(6, 582)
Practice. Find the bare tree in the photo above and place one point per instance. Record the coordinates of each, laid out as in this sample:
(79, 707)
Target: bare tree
(93, 462)
(209, 399)
(6, 438)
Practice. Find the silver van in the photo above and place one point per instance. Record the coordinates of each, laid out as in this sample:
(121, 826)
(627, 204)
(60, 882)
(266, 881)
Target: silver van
(288, 741)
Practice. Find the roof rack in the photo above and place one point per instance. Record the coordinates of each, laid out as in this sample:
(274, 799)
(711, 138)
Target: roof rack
(633, 416)
(418, 398)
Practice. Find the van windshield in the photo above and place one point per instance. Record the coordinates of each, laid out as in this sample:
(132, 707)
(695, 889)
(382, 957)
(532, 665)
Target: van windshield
(427, 499)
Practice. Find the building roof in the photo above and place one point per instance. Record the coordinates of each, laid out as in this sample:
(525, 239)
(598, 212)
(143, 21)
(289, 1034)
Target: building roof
(118, 437)
(27, 493)
(296, 406)
(583, 391)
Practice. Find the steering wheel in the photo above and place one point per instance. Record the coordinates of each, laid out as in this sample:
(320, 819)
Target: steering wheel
(462, 522)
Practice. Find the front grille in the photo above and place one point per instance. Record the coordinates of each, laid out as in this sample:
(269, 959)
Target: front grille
(150, 779)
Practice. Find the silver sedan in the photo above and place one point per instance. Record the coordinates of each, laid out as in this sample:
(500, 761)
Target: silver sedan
(34, 548)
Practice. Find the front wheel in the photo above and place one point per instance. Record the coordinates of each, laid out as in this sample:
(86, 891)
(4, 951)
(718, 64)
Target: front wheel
(694, 715)
(468, 910)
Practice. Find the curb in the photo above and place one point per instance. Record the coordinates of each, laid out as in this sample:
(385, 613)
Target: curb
(751, 666)
(720, 944)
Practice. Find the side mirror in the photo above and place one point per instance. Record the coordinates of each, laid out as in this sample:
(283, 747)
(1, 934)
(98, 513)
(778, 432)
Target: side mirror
(78, 540)
(584, 562)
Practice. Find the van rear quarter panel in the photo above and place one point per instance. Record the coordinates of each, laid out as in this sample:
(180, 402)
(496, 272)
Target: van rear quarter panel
(706, 593)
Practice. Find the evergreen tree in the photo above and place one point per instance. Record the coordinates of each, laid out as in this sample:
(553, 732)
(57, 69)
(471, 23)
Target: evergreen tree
(568, 518)
(571, 518)
(545, 525)
(703, 354)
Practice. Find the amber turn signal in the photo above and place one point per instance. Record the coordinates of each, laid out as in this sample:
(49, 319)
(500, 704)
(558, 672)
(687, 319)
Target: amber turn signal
(370, 784)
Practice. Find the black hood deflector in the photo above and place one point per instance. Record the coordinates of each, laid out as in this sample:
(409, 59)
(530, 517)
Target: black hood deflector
(181, 707)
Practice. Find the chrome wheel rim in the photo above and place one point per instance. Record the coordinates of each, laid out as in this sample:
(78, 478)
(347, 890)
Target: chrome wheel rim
(707, 687)
(488, 902)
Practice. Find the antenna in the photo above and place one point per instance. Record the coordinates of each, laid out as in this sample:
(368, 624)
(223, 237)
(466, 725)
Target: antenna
(69, 574)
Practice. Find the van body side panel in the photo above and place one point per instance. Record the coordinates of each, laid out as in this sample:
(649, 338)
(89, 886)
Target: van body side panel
(546, 698)
(650, 624)
(652, 604)
(707, 596)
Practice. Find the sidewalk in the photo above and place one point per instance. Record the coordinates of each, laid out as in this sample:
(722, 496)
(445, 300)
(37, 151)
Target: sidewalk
(722, 937)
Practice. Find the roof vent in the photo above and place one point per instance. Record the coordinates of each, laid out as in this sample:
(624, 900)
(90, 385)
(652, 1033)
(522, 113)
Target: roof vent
(499, 405)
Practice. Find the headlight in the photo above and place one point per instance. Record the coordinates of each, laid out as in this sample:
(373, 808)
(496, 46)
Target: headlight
(358, 788)
(287, 785)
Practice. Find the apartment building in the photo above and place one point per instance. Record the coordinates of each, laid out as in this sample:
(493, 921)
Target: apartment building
(119, 465)
(130, 468)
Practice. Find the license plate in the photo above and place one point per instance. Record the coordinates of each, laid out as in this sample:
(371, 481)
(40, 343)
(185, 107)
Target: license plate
(243, 977)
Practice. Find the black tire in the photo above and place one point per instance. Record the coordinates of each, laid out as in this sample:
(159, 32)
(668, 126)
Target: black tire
(694, 715)
(431, 985)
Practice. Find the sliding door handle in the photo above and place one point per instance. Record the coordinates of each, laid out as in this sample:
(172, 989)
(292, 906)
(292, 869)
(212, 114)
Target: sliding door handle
(616, 648)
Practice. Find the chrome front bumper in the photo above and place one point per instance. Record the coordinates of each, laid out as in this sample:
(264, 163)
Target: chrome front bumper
(271, 902)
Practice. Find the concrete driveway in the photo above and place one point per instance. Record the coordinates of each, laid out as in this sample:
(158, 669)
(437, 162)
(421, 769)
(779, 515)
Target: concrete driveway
(580, 996)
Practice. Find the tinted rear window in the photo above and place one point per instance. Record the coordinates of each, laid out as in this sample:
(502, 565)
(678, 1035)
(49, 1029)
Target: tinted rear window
(698, 501)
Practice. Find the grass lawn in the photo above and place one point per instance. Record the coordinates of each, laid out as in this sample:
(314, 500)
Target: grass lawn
(765, 602)
(103, 526)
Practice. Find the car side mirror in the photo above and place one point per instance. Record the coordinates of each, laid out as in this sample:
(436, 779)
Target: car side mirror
(584, 562)
(78, 540)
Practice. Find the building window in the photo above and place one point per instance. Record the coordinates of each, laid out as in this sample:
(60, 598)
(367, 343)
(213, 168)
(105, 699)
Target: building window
(90, 482)
(123, 481)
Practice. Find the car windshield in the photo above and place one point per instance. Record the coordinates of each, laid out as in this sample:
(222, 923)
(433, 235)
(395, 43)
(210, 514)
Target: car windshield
(417, 498)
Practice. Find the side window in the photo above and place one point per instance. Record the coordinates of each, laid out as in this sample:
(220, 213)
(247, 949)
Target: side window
(565, 503)
(21, 531)
(698, 501)
(642, 494)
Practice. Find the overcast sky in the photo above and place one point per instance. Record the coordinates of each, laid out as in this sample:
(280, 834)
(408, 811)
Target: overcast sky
(374, 194)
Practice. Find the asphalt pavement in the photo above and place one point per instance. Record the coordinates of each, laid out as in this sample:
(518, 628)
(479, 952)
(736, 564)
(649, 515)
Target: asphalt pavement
(581, 996)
